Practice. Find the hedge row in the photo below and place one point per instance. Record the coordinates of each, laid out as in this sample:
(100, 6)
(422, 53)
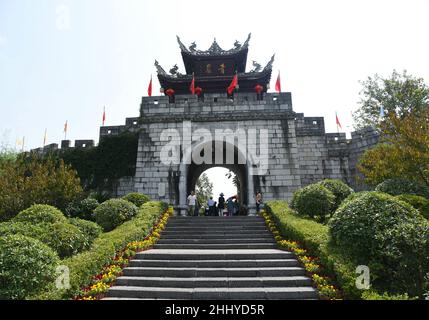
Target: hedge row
(86, 264)
(315, 238)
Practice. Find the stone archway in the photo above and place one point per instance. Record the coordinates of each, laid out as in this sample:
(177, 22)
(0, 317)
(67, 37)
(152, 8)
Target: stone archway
(190, 171)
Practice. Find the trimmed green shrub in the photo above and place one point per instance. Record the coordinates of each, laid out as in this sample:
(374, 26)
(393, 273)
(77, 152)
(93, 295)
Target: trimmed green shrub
(396, 187)
(90, 229)
(26, 266)
(418, 202)
(100, 196)
(137, 198)
(315, 238)
(313, 200)
(372, 295)
(23, 228)
(113, 213)
(40, 213)
(340, 190)
(85, 265)
(387, 235)
(83, 209)
(65, 238)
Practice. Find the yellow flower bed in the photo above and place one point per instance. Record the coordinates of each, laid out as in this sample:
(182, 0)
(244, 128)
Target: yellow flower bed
(104, 280)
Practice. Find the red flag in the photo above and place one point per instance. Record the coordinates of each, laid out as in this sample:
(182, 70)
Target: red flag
(149, 89)
(104, 115)
(233, 84)
(278, 86)
(338, 122)
(192, 87)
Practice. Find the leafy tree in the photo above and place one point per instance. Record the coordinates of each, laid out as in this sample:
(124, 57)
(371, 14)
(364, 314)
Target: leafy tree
(203, 189)
(31, 179)
(235, 180)
(400, 95)
(404, 152)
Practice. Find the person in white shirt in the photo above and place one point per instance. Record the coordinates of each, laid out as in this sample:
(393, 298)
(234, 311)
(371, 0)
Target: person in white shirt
(192, 199)
(212, 206)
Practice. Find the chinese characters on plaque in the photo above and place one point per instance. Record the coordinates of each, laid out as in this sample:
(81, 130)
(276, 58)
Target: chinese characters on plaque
(216, 68)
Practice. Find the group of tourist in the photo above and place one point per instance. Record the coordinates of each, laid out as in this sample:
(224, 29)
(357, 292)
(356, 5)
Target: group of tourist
(217, 208)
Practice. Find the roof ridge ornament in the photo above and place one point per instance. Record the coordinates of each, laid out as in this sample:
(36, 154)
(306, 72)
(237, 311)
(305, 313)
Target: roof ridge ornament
(246, 43)
(214, 49)
(269, 65)
(182, 46)
(159, 68)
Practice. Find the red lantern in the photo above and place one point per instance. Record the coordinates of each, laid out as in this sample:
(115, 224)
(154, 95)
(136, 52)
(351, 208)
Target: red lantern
(169, 92)
(259, 88)
(198, 91)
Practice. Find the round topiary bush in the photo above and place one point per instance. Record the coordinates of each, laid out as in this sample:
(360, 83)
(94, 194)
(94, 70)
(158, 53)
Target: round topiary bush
(340, 190)
(22, 228)
(83, 209)
(26, 266)
(396, 187)
(418, 202)
(137, 198)
(40, 213)
(313, 200)
(65, 238)
(389, 236)
(90, 229)
(113, 213)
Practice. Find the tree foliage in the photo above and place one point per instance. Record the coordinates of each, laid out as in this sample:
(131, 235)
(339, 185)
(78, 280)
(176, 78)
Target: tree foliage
(203, 189)
(399, 95)
(31, 179)
(404, 152)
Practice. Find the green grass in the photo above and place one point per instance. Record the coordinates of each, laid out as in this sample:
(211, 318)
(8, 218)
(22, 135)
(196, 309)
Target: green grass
(89, 263)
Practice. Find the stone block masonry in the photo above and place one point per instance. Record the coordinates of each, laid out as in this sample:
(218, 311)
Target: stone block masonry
(298, 150)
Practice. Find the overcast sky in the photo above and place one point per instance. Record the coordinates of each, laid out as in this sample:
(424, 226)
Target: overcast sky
(64, 60)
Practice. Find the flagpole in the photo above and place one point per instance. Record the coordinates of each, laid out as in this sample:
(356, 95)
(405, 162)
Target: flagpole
(65, 130)
(44, 138)
(336, 122)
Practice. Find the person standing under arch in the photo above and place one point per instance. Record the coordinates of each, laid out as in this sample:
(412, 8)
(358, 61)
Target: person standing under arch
(192, 200)
(221, 204)
(258, 198)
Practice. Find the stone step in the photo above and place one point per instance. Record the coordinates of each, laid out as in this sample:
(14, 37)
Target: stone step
(216, 225)
(214, 263)
(213, 293)
(216, 222)
(231, 282)
(214, 241)
(215, 218)
(214, 254)
(215, 236)
(167, 232)
(216, 246)
(213, 272)
(218, 229)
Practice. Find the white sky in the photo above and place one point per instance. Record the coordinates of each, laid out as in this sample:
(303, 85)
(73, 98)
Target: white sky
(221, 183)
(53, 70)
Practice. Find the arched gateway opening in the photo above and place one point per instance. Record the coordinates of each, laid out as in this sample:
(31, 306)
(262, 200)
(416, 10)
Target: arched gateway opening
(223, 154)
(224, 179)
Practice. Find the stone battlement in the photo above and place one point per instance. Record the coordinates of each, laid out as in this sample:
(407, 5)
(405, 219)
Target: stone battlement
(214, 104)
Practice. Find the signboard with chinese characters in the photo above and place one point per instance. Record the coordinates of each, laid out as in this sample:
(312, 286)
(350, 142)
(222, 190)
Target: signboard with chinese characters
(215, 68)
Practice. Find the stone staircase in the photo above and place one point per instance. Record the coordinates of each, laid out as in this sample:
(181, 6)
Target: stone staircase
(214, 258)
